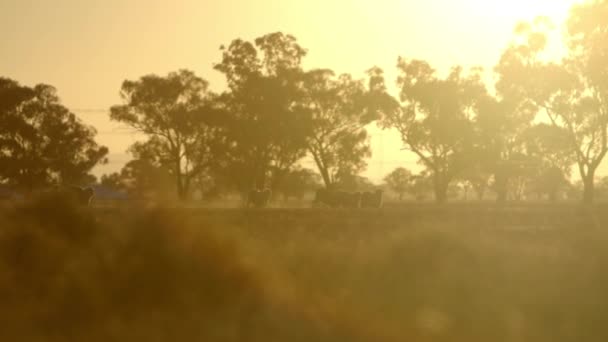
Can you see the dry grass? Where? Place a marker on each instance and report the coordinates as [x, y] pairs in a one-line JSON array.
[[426, 273]]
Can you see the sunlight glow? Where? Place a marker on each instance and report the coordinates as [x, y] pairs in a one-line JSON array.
[[556, 10], [121, 39]]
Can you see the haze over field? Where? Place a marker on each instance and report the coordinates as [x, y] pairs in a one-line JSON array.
[[322, 170], [87, 48]]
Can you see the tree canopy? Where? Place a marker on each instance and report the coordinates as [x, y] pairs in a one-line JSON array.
[[400, 181], [520, 136], [41, 142], [174, 112], [338, 141], [264, 125], [434, 117], [573, 91]]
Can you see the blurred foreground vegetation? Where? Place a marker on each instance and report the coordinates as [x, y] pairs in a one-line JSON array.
[[415, 273]]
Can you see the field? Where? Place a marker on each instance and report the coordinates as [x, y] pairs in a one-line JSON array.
[[474, 272]]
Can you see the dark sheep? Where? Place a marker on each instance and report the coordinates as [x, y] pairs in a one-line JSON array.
[[349, 199], [372, 199], [258, 198], [337, 199], [82, 196], [324, 197]]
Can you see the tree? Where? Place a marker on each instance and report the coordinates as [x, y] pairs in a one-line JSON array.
[[399, 180], [148, 175], [548, 145], [338, 141], [549, 181], [500, 123], [265, 125], [573, 92], [175, 113], [145, 176], [512, 177], [434, 118], [41, 141]]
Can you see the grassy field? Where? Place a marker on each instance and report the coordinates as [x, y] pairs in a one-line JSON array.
[[466, 272]]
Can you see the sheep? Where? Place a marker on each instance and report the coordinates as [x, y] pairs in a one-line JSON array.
[[258, 198], [336, 199], [349, 199], [324, 197], [82, 196], [372, 199]]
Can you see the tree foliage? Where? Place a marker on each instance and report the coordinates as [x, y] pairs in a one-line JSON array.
[[174, 112], [573, 92], [264, 129], [399, 181], [434, 117], [338, 141], [520, 138], [41, 141], [499, 126]]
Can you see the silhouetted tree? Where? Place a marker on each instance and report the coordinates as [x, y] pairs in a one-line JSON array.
[[148, 174], [549, 181], [265, 125], [174, 112], [434, 118], [338, 141], [41, 141], [548, 145], [399, 181], [513, 176], [499, 126], [572, 92]]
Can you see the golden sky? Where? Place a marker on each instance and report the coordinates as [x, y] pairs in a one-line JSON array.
[[86, 48]]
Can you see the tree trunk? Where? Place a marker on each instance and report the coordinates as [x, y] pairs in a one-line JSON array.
[[589, 188], [322, 169], [259, 173], [180, 189], [326, 178], [441, 193], [179, 180], [441, 188]]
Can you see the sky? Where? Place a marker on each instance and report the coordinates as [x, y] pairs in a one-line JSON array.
[[87, 48]]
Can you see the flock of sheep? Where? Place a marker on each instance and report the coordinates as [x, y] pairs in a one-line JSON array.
[[324, 198], [261, 198], [345, 199]]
